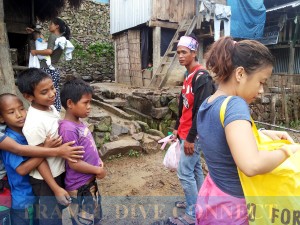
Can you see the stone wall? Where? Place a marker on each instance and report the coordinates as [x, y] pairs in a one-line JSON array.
[[93, 57]]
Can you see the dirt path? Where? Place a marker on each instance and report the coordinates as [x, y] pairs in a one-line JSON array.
[[139, 190]]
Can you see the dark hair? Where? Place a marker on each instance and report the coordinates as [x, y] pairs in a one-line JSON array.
[[74, 89], [3, 96], [28, 79], [225, 55], [35, 33], [63, 27]]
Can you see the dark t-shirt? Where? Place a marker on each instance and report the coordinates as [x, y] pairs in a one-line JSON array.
[[212, 139]]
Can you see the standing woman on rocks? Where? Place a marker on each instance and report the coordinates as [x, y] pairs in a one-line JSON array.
[[57, 28]]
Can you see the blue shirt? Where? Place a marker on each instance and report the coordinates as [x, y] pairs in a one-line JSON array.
[[221, 165], [2, 137], [21, 190]]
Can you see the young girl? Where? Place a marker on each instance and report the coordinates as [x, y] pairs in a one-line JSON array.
[[241, 69], [57, 28]]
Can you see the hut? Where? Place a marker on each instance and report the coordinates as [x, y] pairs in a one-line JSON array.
[[143, 31], [15, 16]]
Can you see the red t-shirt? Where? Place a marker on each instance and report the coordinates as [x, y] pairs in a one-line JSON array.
[[186, 118]]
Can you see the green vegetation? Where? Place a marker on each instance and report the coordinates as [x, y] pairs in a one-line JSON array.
[[295, 124], [93, 52], [133, 153], [117, 156]]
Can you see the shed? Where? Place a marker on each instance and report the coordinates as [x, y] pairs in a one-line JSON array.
[[282, 35], [143, 32]]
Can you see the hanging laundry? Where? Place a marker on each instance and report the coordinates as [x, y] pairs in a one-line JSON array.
[[206, 9], [222, 13]]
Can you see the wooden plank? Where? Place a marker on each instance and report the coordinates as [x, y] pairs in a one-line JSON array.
[[188, 9], [7, 81], [169, 25], [163, 10], [175, 9]]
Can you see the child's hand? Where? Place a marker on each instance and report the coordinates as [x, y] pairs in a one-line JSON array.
[[62, 196], [53, 142], [101, 172], [70, 153]]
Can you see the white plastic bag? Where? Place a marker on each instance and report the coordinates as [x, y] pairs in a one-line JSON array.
[[172, 156], [33, 62]]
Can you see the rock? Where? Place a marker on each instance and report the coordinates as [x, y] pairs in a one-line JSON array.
[[117, 102], [142, 105], [155, 99], [145, 127], [114, 138], [118, 129], [155, 138], [156, 133], [134, 127], [102, 124], [87, 78], [138, 137], [149, 145], [121, 146], [163, 100], [173, 106], [159, 113]]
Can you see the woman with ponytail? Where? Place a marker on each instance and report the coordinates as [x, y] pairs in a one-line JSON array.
[[57, 28], [241, 70]]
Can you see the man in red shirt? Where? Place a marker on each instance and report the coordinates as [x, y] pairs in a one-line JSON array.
[[197, 86]]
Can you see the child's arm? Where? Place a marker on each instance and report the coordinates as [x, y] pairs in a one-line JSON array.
[[28, 165], [80, 166], [84, 167], [42, 52], [61, 194], [25, 167], [65, 151]]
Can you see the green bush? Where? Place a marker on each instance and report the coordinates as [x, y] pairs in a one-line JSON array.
[[93, 51]]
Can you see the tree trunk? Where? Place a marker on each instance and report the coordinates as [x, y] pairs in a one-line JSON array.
[[7, 81]]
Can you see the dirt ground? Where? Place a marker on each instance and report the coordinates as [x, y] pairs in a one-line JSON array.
[[144, 175], [139, 190]]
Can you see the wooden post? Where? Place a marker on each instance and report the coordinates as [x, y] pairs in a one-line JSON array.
[[7, 81], [156, 47], [116, 62]]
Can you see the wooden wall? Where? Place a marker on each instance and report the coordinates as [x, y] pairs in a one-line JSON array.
[[128, 58], [17, 15], [173, 10]]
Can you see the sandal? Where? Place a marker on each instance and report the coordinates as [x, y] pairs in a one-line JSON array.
[[180, 204], [179, 219]]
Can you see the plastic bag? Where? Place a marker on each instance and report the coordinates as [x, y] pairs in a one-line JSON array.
[[273, 197], [33, 61], [172, 156]]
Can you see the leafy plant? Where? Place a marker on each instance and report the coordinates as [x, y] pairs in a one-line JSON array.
[[94, 51], [133, 153], [117, 156], [295, 124]]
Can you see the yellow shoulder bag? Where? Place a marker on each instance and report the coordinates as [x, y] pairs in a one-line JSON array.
[[274, 197]]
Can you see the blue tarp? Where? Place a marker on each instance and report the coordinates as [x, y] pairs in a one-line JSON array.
[[247, 18]]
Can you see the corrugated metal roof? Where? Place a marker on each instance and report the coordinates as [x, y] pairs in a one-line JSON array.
[[290, 4], [125, 14]]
